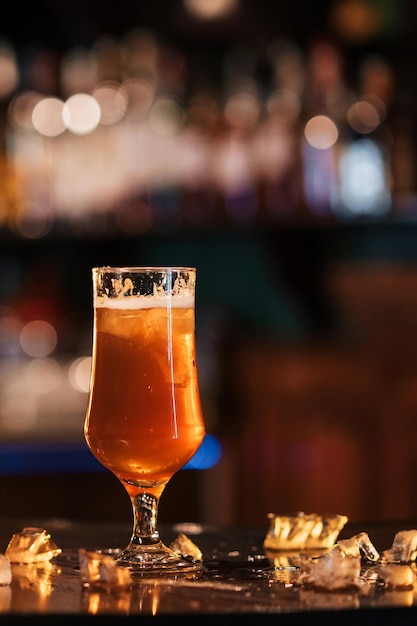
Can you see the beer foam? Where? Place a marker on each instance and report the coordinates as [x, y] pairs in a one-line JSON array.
[[145, 302]]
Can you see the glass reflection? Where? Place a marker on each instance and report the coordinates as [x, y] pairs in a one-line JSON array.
[[32, 586], [102, 602]]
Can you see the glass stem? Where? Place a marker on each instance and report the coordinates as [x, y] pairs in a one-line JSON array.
[[145, 520]]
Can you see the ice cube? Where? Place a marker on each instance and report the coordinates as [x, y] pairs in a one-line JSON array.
[[325, 531], [185, 547], [288, 532], [404, 547], [394, 576], [32, 545], [101, 570], [5, 570], [349, 547], [331, 571], [359, 545], [301, 531], [394, 594]]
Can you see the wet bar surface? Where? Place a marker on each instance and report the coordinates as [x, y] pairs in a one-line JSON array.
[[240, 584]]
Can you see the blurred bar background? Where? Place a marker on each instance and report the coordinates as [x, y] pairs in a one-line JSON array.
[[273, 146]]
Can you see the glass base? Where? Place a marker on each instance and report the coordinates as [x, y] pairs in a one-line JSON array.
[[157, 560]]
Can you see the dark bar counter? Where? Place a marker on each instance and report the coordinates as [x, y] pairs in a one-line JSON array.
[[240, 583]]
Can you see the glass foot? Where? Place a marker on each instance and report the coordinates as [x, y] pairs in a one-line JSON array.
[[157, 560]]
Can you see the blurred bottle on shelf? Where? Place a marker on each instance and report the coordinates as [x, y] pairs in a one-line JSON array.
[[365, 163], [201, 199], [324, 103], [308, 136], [277, 147]]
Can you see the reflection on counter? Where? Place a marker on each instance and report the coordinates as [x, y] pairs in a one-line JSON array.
[[238, 579], [279, 150]]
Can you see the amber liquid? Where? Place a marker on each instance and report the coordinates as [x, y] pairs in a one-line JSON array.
[[144, 419]]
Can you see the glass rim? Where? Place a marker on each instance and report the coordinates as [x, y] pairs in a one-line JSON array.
[[144, 269]]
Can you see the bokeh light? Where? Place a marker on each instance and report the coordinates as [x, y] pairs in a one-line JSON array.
[[166, 116], [364, 188], [79, 374], [47, 117], [321, 132], [81, 113], [210, 9], [355, 20], [208, 454], [140, 95], [21, 107], [113, 102], [364, 117], [33, 219], [38, 338]]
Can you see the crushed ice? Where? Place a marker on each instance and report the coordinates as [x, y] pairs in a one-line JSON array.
[[31, 545], [339, 565], [100, 570], [185, 547], [302, 531]]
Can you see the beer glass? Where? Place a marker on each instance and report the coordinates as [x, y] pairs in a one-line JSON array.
[[144, 419]]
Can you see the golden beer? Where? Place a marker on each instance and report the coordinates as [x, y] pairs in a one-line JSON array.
[[144, 419]]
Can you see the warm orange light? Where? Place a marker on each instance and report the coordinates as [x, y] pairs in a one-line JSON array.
[[93, 603], [210, 9], [363, 117], [356, 20], [321, 132]]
